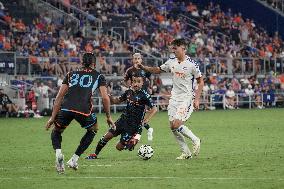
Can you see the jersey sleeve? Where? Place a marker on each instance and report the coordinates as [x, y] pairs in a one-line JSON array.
[[127, 75], [102, 81], [123, 97], [148, 100], [196, 71], [166, 66], [148, 75]]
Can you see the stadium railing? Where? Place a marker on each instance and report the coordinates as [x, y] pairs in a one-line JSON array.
[[212, 102], [12, 64]]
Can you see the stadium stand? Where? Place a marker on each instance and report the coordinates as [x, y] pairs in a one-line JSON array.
[[233, 52]]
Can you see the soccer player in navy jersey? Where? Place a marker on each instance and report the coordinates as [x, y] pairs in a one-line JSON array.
[[129, 125], [137, 59], [74, 101]]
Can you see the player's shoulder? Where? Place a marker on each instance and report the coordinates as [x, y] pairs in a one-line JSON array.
[[190, 60], [130, 69], [145, 93]]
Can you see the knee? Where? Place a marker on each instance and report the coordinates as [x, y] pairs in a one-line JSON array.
[[175, 124], [94, 129], [119, 146], [57, 130]]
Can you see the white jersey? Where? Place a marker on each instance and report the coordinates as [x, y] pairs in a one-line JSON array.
[[184, 74]]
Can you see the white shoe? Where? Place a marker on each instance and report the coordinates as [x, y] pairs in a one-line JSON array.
[[150, 134], [184, 156], [72, 164], [59, 164], [196, 147]]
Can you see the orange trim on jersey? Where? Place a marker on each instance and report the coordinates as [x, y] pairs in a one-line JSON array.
[[59, 126], [63, 109]]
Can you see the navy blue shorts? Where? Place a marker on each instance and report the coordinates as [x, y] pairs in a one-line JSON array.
[[64, 118], [125, 130]]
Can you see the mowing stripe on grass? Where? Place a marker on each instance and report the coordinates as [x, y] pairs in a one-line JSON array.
[[197, 178]]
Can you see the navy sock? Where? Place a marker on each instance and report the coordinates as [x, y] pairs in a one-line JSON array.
[[147, 126], [100, 145], [56, 139], [86, 140]]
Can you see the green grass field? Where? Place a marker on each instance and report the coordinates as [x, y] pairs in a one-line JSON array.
[[240, 149]]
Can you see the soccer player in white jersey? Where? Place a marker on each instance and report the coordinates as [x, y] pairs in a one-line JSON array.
[[184, 98]]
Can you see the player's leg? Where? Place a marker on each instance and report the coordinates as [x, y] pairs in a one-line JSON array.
[[175, 123], [127, 141], [62, 120], [184, 111], [113, 132], [186, 153], [129, 137], [150, 131], [91, 126], [101, 144]]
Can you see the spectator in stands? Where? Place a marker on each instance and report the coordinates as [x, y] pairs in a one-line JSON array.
[[43, 90], [258, 97], [268, 96], [6, 104], [230, 98]]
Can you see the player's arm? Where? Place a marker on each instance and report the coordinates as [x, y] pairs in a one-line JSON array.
[[150, 114], [106, 103], [155, 70], [198, 91], [127, 77], [115, 100], [153, 108], [57, 104]]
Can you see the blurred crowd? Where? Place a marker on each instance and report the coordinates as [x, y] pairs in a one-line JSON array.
[[223, 42]]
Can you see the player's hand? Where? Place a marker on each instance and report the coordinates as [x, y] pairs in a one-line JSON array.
[[49, 123], [145, 121], [110, 122], [196, 104], [140, 65]]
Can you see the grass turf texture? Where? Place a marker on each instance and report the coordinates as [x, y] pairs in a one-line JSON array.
[[240, 149]]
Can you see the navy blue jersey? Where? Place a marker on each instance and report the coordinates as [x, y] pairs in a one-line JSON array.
[[4, 99], [82, 84], [133, 71], [136, 105]]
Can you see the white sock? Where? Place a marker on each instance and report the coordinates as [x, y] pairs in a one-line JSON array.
[[180, 140], [75, 157], [185, 131], [58, 152]]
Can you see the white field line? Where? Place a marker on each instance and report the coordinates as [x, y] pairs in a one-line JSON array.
[[40, 167]]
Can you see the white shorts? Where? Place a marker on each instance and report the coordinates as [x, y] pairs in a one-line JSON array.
[[180, 110]]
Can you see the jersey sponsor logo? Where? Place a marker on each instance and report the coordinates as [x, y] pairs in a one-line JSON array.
[[180, 74]]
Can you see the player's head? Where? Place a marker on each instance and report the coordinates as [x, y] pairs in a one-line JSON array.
[[137, 81], [88, 59], [136, 59], [178, 46], [1, 91]]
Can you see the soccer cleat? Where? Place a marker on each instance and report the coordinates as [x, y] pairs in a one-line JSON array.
[[150, 134], [59, 164], [72, 164], [196, 147], [92, 156], [184, 156]]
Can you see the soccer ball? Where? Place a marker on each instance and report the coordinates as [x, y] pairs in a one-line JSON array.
[[145, 152]]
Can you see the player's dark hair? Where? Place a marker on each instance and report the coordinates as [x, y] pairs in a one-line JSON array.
[[88, 59], [179, 42]]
